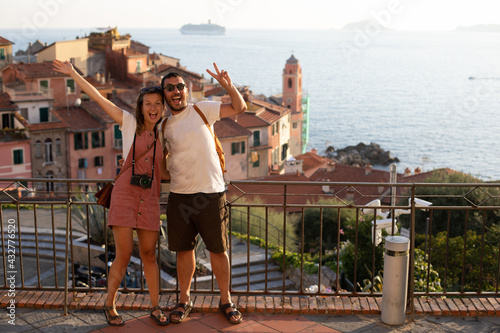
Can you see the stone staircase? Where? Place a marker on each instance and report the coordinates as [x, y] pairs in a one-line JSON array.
[[50, 244], [248, 272]]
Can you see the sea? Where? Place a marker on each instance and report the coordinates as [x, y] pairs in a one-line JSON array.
[[431, 98]]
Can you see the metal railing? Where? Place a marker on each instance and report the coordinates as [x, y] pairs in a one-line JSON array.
[[454, 232]]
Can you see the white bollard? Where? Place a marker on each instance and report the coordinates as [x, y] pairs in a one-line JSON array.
[[395, 284]]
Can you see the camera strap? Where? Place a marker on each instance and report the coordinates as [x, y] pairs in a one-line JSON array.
[[144, 153]]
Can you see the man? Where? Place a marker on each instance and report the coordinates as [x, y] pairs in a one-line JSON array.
[[197, 202]]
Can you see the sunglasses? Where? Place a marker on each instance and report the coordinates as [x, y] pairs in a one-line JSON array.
[[171, 87], [156, 89]]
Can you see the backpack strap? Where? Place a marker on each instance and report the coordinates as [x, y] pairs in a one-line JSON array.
[[218, 145]]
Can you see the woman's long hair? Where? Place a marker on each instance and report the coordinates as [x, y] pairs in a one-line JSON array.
[[139, 115]]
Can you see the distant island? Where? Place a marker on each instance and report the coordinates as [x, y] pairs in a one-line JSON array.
[[480, 28], [362, 25]]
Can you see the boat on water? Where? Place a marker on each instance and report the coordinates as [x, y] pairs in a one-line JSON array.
[[203, 29]]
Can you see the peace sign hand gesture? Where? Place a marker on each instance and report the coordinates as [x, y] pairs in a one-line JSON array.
[[222, 77]]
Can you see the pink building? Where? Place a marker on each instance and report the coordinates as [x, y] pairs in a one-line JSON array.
[[14, 143]]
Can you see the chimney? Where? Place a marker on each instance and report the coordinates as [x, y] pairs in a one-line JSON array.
[[418, 171], [350, 194], [407, 172], [368, 169], [314, 151], [330, 166]]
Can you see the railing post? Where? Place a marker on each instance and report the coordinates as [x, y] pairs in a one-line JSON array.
[[411, 273], [66, 257]]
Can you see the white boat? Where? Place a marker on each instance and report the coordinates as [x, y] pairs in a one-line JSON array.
[[203, 29]]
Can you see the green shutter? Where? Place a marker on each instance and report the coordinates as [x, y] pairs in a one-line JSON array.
[[44, 115], [18, 156], [242, 147], [233, 148], [102, 139]]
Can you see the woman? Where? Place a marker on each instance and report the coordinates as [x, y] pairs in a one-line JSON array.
[[135, 200]]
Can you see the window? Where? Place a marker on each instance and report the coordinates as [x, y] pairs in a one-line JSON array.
[[2, 54], [275, 156], [277, 126], [295, 125], [7, 120], [256, 138], [48, 151], [256, 162], [44, 85], [117, 142], [138, 68], [38, 149], [118, 158], [58, 146], [98, 161], [238, 148], [70, 86], [118, 166], [24, 113], [44, 115], [290, 83], [18, 156], [97, 139], [81, 141], [49, 186], [82, 163], [284, 151]]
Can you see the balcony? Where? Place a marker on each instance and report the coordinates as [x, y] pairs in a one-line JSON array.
[[29, 96], [47, 242]]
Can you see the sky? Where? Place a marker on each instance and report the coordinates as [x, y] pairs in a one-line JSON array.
[[425, 15]]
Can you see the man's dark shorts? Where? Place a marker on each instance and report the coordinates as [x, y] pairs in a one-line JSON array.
[[190, 214]]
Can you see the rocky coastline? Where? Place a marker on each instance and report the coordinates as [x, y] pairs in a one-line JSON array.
[[361, 155]]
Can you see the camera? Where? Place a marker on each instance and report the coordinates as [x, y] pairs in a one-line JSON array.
[[143, 181]]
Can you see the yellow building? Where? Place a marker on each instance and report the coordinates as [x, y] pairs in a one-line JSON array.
[[75, 51], [5, 52]]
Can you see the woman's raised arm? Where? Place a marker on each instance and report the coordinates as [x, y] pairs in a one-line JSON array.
[[112, 110]]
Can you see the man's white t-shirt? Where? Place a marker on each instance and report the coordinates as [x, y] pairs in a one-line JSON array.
[[193, 162]]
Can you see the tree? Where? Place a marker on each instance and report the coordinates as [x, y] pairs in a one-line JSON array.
[[456, 197], [329, 217], [358, 264]]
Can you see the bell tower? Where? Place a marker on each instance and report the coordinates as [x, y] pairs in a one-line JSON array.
[[292, 85], [292, 99]]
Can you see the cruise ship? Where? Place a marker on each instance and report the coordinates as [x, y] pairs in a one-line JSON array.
[[203, 29]]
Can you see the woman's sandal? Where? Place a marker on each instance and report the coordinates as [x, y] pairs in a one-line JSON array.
[[223, 308], [182, 315], [158, 317], [110, 318]]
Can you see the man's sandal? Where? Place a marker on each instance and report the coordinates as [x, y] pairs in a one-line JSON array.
[[182, 315], [223, 308], [158, 318], [110, 318]]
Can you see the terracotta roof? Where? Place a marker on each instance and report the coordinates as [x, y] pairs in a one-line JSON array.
[[311, 160], [33, 70], [249, 120], [273, 194], [6, 103], [228, 128], [215, 91], [270, 106], [4, 41], [97, 111], [78, 119], [164, 68], [48, 126], [133, 53], [97, 84], [352, 174]]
